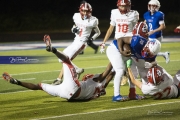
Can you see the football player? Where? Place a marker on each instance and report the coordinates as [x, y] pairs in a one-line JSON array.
[[160, 84], [155, 21], [177, 29], [123, 19], [143, 51], [84, 24], [71, 88]]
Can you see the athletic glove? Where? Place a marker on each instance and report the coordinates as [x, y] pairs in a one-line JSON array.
[[89, 41], [129, 63], [148, 65], [75, 29], [102, 50]]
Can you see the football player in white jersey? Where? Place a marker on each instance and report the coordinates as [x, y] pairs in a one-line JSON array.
[[160, 84], [123, 19], [155, 21], [71, 88], [84, 23]]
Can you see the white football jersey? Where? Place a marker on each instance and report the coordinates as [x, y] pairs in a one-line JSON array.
[[123, 23], [90, 89], [166, 89], [85, 26]]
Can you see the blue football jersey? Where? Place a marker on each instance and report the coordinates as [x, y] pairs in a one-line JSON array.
[[153, 22], [137, 44]]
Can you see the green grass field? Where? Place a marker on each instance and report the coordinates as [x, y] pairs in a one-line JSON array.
[[18, 103]]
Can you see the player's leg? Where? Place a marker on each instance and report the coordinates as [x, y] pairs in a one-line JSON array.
[[166, 56], [93, 46], [71, 51], [119, 66]]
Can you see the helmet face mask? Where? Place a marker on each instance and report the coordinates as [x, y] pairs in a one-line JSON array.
[[146, 53], [155, 76], [85, 10], [151, 49], [124, 6]]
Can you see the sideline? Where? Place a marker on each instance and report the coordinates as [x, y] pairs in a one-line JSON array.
[[61, 44]]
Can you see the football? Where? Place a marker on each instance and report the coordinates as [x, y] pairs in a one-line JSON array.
[[126, 47]]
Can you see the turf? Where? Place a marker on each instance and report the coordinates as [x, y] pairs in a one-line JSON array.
[[22, 104]]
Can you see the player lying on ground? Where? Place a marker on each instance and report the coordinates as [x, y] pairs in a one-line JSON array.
[[70, 88], [160, 85]]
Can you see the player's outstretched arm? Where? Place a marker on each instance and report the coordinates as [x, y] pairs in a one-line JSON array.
[[105, 73], [31, 86], [133, 80]]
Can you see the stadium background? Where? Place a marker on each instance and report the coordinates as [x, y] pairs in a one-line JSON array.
[[29, 20]]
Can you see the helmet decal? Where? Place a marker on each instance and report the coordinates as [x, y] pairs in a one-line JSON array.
[[154, 75], [141, 29], [85, 10]]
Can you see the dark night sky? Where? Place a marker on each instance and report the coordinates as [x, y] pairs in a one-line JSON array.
[[37, 15], [101, 8]]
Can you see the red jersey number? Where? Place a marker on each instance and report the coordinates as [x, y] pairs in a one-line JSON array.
[[123, 28], [163, 94]]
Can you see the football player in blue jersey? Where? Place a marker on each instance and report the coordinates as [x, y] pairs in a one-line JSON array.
[[155, 21]]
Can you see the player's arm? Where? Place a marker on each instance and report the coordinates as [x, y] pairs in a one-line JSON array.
[[133, 80], [97, 32], [108, 33], [161, 27], [105, 73]]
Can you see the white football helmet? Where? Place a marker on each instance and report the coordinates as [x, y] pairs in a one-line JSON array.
[[84, 6], [154, 75], [151, 49], [126, 4], [153, 5]]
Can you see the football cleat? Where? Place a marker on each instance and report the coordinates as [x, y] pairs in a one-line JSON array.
[[47, 40], [136, 97], [119, 98], [8, 78], [96, 50], [166, 56], [103, 92]]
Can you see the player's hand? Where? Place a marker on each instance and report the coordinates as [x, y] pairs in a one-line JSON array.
[[126, 53], [148, 65], [89, 41], [129, 63], [75, 29], [102, 49], [150, 33]]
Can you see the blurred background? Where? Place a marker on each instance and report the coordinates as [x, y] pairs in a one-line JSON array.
[[30, 19]]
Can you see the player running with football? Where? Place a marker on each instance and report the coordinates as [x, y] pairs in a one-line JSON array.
[[123, 19], [160, 84], [84, 24], [155, 21], [71, 89]]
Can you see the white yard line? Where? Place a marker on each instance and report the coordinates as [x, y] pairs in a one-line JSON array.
[[107, 110]]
